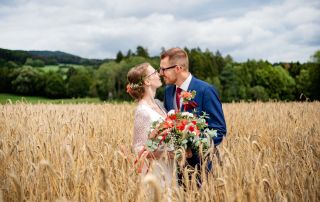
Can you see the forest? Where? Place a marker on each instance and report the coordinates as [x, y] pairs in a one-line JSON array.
[[62, 75]]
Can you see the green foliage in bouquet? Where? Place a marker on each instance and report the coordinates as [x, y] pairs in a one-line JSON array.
[[181, 130]]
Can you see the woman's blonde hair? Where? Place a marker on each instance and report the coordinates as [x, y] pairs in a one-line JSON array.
[[135, 78]]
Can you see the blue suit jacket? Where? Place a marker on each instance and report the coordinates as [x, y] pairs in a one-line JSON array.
[[208, 101]]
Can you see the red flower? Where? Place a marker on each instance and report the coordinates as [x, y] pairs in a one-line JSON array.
[[181, 126], [173, 117], [191, 128]]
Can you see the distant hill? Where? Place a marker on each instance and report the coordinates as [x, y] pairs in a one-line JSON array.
[[49, 57], [52, 54]]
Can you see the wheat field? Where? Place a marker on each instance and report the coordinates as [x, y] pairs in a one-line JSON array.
[[75, 153]]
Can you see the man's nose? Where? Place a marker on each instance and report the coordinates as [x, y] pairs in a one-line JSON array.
[[160, 73]]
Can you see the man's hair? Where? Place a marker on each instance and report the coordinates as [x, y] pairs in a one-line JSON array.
[[176, 56]]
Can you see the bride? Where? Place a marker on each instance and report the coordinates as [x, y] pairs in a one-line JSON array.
[[143, 81]]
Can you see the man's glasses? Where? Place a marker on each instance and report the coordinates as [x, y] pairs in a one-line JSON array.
[[164, 69]]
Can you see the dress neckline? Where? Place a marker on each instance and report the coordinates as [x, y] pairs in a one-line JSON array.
[[147, 105]]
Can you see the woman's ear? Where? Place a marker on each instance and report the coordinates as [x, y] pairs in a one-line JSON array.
[[146, 82]]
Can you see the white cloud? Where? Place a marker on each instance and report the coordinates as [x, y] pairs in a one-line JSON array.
[[285, 31]]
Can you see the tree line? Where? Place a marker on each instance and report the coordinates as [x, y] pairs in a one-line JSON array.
[[250, 81], [42, 58]]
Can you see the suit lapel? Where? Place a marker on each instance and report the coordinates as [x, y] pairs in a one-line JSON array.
[[192, 85], [170, 97]]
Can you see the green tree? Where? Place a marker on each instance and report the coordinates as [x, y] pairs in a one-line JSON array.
[[316, 57], [119, 56], [294, 69], [29, 62], [215, 81], [5, 82], [277, 81], [38, 63], [315, 76], [106, 80], [233, 89], [55, 86], [71, 72], [258, 93], [129, 54], [29, 81], [203, 64], [11, 64], [304, 84], [79, 85], [228, 59], [219, 60], [142, 52]]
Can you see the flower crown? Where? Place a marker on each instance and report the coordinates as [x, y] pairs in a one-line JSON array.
[[134, 86]]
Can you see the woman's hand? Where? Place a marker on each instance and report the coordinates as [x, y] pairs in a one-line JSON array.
[[171, 154], [158, 154]]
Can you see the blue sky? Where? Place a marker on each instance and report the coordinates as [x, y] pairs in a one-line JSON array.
[[284, 30]]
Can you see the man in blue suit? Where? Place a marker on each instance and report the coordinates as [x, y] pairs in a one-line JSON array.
[[174, 68]]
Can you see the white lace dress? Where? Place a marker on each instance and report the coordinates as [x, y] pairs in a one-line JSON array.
[[143, 119]]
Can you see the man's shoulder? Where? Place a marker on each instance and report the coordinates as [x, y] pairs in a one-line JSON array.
[[200, 83]]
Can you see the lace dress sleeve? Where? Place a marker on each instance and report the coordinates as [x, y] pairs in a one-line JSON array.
[[142, 123]]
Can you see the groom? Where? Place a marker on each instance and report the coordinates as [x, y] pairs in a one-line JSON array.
[[174, 68]]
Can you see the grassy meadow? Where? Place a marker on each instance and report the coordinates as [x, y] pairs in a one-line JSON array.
[[70, 152], [11, 99]]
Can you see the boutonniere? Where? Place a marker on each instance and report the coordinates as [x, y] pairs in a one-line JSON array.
[[187, 100]]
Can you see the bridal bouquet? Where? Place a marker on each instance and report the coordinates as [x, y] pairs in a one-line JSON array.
[[181, 130]]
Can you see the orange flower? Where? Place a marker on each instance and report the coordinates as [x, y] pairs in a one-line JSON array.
[[197, 131], [129, 88], [168, 123], [186, 95]]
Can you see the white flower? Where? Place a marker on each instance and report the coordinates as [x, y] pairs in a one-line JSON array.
[[171, 112], [187, 114]]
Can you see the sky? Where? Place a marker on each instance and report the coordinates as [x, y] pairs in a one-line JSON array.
[[273, 30]]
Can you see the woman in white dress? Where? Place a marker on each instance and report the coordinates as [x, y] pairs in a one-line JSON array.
[[143, 81]]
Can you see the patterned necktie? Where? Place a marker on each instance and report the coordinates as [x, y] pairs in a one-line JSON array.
[[178, 93]]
